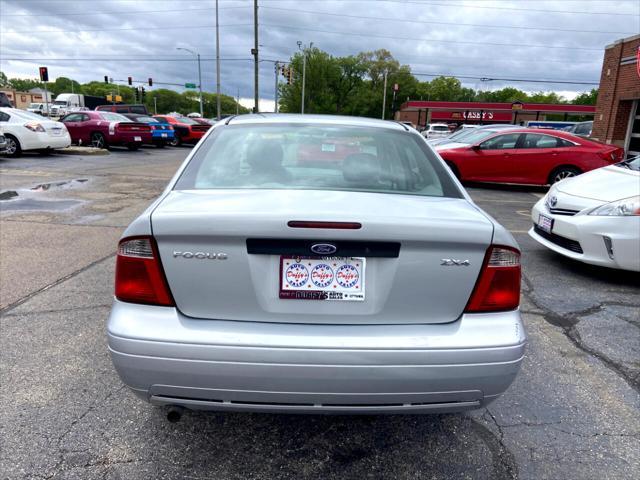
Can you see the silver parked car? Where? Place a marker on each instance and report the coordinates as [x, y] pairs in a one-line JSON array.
[[316, 264]]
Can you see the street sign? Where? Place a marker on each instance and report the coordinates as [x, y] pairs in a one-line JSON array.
[[189, 85], [396, 87]]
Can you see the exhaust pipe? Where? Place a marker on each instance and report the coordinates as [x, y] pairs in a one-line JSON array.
[[174, 413]]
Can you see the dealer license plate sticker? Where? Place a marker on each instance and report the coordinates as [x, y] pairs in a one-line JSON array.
[[322, 278], [137, 139], [545, 223]]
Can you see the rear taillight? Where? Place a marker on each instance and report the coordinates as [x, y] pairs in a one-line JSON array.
[[139, 274], [498, 285]]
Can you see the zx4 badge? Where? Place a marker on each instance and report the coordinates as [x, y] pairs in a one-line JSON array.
[[453, 262]]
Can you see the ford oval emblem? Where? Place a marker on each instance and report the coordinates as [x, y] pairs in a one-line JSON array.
[[323, 248]]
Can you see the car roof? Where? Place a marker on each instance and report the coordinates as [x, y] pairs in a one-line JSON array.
[[272, 118]]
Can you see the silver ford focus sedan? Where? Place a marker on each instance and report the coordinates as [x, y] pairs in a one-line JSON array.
[[316, 264]]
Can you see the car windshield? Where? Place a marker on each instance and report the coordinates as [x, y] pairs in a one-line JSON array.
[[317, 157], [113, 117], [475, 136], [632, 163], [460, 134], [34, 105], [440, 128]]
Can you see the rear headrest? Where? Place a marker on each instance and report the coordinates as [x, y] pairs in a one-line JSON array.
[[362, 168]]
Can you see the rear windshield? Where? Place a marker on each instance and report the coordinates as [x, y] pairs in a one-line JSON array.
[[147, 120], [113, 117], [317, 157], [440, 128]]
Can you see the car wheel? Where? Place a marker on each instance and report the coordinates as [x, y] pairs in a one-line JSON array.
[[133, 146], [161, 144], [176, 141], [97, 140], [561, 173], [13, 147]]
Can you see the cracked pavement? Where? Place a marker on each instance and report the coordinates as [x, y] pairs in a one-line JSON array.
[[573, 412]]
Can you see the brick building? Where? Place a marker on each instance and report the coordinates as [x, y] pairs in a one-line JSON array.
[[617, 118], [23, 99]]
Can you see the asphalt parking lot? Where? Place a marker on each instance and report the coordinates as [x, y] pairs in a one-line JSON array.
[[573, 412]]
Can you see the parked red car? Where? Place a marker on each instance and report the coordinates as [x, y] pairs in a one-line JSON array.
[[186, 129], [105, 129], [526, 156]]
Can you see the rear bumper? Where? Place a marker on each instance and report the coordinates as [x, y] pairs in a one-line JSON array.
[[166, 358]]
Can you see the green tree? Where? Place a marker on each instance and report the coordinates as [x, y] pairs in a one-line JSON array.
[[24, 84], [63, 85], [587, 98], [4, 81], [506, 95]]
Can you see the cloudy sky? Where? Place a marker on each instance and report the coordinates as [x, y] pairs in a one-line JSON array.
[[561, 40]]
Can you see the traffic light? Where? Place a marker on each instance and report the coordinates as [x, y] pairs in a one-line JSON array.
[[150, 82], [130, 80], [44, 74], [290, 76], [106, 79], [142, 94]]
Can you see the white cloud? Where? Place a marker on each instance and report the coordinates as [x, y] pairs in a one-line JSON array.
[[144, 45]]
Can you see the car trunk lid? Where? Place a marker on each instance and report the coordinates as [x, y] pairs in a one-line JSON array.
[[439, 243]]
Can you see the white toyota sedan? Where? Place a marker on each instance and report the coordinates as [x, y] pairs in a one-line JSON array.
[[29, 131], [594, 217]]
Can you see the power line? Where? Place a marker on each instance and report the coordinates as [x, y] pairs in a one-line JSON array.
[[131, 28], [487, 79], [475, 5], [457, 24], [435, 40], [118, 13], [464, 5]]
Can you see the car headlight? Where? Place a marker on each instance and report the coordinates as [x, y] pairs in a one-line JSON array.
[[620, 208]]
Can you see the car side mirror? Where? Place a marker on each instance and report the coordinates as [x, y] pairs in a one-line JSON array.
[[475, 147]]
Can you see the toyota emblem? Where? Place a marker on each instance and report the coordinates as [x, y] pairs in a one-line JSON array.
[[553, 201]]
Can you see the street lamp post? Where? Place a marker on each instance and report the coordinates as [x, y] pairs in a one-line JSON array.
[[199, 76], [217, 66], [304, 69]]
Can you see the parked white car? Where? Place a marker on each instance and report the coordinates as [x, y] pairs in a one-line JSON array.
[[436, 130], [39, 108], [594, 218], [29, 131]]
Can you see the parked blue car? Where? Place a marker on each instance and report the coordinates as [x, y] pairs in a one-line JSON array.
[[162, 131]]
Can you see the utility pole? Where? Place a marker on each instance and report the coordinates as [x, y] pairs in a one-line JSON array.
[[304, 70], [200, 85], [277, 68], [238, 102], [155, 105], [217, 66], [384, 94], [254, 51]]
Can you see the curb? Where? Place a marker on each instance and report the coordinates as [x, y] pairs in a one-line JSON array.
[[82, 151]]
